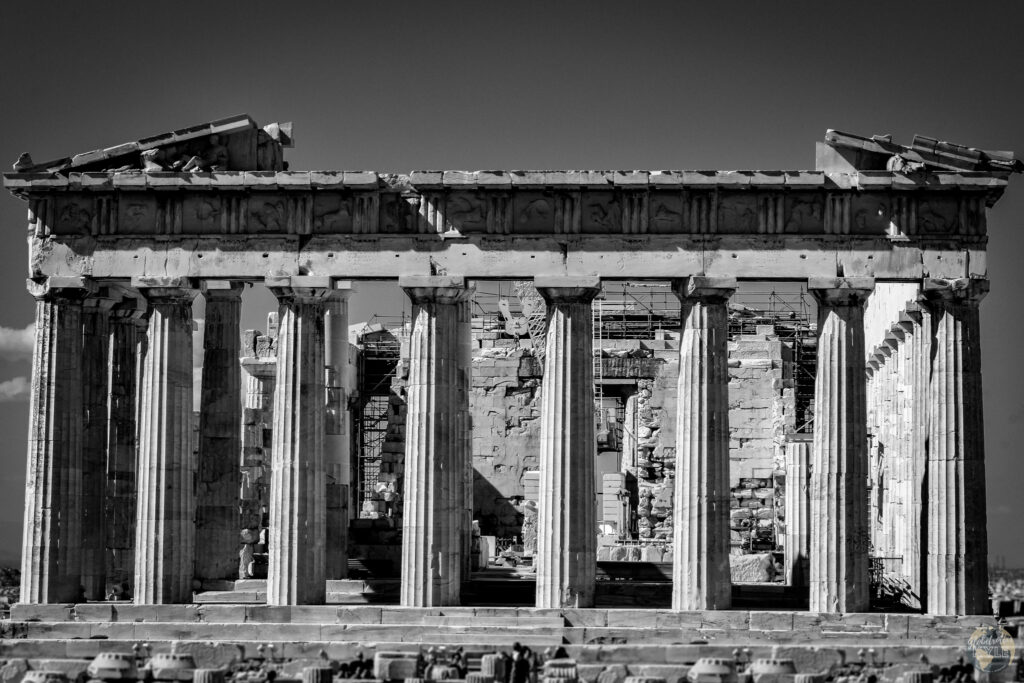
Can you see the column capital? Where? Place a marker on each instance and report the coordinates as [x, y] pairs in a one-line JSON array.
[[222, 290], [964, 290], [299, 288], [165, 290], [706, 289], [435, 289], [568, 289], [343, 289], [841, 291], [103, 300], [67, 288]]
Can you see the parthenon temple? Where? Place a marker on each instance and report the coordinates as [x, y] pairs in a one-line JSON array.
[[840, 441]]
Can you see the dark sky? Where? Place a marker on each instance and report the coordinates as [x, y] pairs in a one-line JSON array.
[[397, 86]]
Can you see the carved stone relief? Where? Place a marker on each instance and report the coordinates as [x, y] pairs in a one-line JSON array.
[[737, 214], [467, 212], [804, 214], [74, 216], [666, 212], [332, 213], [534, 213], [137, 216], [602, 213]]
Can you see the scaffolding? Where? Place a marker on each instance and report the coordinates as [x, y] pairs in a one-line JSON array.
[[380, 353]]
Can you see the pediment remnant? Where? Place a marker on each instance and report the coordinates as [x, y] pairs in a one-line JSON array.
[[846, 152], [235, 143]]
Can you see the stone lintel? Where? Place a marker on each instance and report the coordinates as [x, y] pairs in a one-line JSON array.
[[963, 289], [67, 287], [701, 287]]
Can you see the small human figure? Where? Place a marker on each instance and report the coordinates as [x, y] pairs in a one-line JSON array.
[[520, 664]]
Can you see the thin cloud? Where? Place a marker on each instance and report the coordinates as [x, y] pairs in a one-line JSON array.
[[14, 389], [16, 344]]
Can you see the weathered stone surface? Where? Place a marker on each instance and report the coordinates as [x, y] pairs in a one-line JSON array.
[[219, 476], [700, 576], [957, 537], [51, 562], [432, 540], [754, 568], [839, 541], [297, 565], [165, 530], [566, 543]]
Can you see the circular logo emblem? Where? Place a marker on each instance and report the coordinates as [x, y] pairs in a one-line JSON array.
[[990, 649]]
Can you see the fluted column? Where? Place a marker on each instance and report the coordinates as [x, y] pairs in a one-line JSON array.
[[957, 532], [51, 563], [220, 418], [566, 518], [465, 378], [165, 515], [95, 378], [338, 440], [920, 359], [700, 574], [298, 485], [126, 327], [839, 513], [798, 511], [432, 535]]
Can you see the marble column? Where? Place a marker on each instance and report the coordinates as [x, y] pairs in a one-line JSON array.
[[701, 574], [126, 327], [566, 517], [432, 534], [465, 378], [957, 532], [296, 574], [220, 417], [920, 359], [51, 562], [798, 511], [165, 513], [839, 512], [338, 434], [95, 393]]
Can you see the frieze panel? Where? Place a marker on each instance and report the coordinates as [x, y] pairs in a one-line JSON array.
[[701, 212], [938, 215], [396, 215], [601, 213], [137, 215], [201, 214], [74, 215], [804, 214], [665, 212], [466, 211], [268, 214], [738, 214], [534, 213], [875, 214], [332, 213]]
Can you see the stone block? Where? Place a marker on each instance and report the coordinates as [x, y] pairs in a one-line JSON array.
[[756, 568], [771, 621]]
